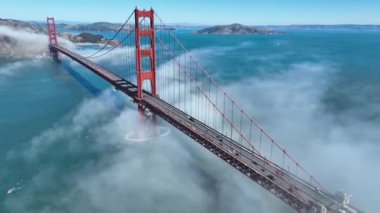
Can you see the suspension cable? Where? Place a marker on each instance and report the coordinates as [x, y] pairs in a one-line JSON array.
[[263, 132], [207, 99], [114, 47], [110, 40]]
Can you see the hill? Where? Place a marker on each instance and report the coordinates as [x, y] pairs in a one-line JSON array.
[[93, 27], [236, 29], [21, 25]]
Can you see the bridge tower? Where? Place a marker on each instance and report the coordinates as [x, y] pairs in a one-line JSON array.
[[51, 29], [145, 52]]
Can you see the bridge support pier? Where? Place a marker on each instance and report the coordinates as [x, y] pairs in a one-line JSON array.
[[54, 55], [147, 123]]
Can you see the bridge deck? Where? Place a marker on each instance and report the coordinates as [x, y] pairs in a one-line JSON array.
[[290, 189]]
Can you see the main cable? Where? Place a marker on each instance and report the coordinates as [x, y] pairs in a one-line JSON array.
[[124, 39], [110, 40]]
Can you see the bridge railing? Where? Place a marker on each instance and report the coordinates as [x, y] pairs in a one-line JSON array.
[[185, 83]]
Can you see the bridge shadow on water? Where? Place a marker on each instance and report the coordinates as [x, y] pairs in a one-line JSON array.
[[82, 80], [150, 128], [120, 103]]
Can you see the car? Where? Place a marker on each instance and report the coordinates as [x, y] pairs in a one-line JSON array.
[[190, 118], [271, 177]]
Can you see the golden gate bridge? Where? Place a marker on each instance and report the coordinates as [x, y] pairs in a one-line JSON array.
[[161, 76]]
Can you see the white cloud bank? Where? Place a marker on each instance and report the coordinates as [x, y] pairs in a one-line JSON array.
[[22, 43]]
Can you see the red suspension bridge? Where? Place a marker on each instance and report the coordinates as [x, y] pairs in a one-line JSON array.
[[161, 76]]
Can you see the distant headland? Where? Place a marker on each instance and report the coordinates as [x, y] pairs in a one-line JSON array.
[[14, 33], [236, 29], [31, 27], [95, 27], [36, 28]]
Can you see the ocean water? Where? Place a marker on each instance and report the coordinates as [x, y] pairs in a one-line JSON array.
[[63, 130]]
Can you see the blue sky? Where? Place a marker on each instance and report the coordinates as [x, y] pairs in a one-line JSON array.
[[258, 12]]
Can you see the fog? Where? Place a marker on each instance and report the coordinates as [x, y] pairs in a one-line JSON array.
[[340, 153], [168, 174], [22, 43], [174, 174]]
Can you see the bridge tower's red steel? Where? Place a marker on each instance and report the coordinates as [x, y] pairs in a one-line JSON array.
[[141, 53], [51, 29]]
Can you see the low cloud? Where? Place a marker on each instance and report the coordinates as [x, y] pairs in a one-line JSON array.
[[170, 174], [339, 149], [166, 174], [23, 43]]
